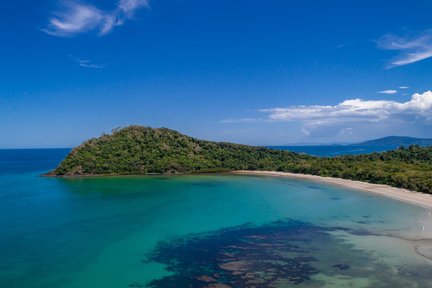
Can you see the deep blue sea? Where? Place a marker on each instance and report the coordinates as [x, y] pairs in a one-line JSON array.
[[16, 161], [201, 231]]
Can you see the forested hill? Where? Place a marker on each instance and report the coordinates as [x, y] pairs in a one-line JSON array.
[[143, 150], [397, 141]]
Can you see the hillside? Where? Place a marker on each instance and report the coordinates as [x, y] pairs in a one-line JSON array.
[[397, 141], [143, 150]]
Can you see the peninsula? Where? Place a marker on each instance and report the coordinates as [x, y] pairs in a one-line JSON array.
[[138, 150]]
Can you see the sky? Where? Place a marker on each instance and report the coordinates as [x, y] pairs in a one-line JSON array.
[[260, 72]]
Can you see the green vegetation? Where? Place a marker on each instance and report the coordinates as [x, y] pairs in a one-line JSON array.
[[143, 150], [409, 168]]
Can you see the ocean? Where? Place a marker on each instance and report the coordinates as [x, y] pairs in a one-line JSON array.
[[201, 231]]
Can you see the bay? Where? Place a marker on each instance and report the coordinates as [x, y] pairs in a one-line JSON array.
[[196, 231]]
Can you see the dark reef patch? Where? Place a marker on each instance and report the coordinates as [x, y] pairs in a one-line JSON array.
[[280, 254], [245, 256]]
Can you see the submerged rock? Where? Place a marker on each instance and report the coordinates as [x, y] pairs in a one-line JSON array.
[[280, 254], [242, 257]]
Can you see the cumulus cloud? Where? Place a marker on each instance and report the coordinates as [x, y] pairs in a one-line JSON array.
[[420, 105], [79, 17], [411, 49], [353, 119], [388, 92]]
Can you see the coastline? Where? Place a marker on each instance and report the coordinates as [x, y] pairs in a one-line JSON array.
[[404, 195]]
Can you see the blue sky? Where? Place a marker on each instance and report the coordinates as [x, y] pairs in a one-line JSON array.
[[257, 72]]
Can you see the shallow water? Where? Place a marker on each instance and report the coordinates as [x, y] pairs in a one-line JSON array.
[[196, 231]]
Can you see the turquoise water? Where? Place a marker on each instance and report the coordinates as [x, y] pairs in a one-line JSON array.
[[172, 231]]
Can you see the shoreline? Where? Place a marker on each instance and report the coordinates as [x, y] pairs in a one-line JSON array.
[[404, 195]]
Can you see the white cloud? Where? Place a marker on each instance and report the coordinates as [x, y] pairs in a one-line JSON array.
[[353, 119], [404, 87], [89, 64], [388, 92], [129, 6], [75, 18], [126, 9], [85, 63], [79, 17], [344, 132], [420, 105], [305, 131], [411, 49]]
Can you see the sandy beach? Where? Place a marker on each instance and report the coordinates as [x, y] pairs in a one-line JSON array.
[[408, 196]]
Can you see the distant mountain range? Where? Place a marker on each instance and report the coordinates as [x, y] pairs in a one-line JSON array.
[[393, 141], [367, 147], [396, 141]]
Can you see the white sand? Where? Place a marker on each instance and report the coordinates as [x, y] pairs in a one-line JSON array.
[[404, 195]]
